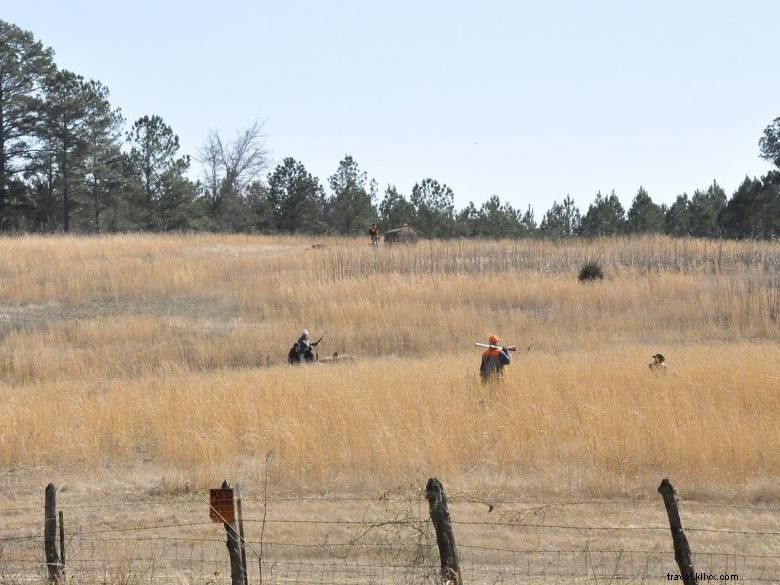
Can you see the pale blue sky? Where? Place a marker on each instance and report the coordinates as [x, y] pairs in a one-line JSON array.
[[529, 101]]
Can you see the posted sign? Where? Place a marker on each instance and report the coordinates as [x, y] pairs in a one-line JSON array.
[[221, 506]]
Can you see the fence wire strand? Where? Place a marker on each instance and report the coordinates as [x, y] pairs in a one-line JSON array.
[[390, 540]]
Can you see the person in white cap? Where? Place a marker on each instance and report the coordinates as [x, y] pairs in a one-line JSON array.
[[303, 349], [304, 342]]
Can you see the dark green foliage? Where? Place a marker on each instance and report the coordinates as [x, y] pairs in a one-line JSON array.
[[78, 122], [394, 210], [24, 65], [605, 217], [103, 181], [754, 209], [500, 220], [494, 219], [351, 206], [562, 220], [590, 271], [161, 195], [644, 216], [704, 209], [467, 222], [63, 166], [738, 217], [434, 209], [528, 222], [770, 143], [678, 217], [297, 201]]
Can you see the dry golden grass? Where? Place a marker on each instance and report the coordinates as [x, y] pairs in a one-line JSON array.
[[585, 422], [169, 350]]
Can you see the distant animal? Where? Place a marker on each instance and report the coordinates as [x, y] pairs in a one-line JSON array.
[[658, 362], [402, 235], [338, 357]]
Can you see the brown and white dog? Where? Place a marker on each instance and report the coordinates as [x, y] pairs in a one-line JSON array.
[[658, 363]]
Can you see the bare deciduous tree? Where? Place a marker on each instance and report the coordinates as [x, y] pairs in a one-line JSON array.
[[231, 167], [230, 170]]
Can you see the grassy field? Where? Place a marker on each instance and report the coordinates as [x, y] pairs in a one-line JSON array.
[[164, 357]]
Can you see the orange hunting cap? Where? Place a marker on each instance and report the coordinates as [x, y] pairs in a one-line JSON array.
[[493, 340]]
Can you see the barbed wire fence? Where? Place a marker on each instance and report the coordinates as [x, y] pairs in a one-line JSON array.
[[391, 540]]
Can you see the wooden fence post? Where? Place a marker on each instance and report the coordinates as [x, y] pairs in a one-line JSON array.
[[50, 534], [62, 541], [682, 554], [234, 550], [445, 538], [242, 542]]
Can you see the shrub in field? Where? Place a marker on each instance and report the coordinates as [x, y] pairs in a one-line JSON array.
[[591, 271]]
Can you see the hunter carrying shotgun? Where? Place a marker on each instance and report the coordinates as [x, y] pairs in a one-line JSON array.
[[494, 358], [303, 349]]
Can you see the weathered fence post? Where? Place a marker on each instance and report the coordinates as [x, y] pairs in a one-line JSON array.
[[242, 542], [50, 534], [440, 516], [62, 540], [234, 550], [682, 554]]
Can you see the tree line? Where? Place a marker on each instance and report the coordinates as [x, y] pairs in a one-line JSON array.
[[68, 162]]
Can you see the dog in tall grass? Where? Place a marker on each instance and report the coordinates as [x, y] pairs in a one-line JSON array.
[[658, 364]]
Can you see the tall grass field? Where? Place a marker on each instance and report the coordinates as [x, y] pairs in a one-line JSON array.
[[140, 352]]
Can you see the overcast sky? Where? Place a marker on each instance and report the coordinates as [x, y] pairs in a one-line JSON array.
[[527, 100]]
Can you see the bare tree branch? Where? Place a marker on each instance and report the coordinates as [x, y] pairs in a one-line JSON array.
[[230, 168]]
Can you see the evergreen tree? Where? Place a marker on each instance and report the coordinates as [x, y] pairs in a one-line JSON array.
[[738, 217], [164, 196], [678, 217], [103, 179], [43, 179], [705, 206], [258, 200], [351, 206], [24, 65], [771, 215], [500, 220], [467, 222], [297, 198], [434, 208], [394, 209], [76, 112], [770, 143], [562, 220], [754, 209], [605, 217], [644, 216], [528, 223]]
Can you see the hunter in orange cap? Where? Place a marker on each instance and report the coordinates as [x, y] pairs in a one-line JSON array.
[[494, 359]]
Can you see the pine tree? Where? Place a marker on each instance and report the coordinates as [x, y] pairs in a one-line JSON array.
[[644, 216], [351, 205], [605, 217], [562, 220], [24, 66], [434, 209], [297, 198]]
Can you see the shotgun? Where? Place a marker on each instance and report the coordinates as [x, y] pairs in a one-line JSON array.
[[316, 343], [487, 345]]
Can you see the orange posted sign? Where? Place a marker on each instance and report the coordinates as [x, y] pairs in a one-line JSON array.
[[221, 506]]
